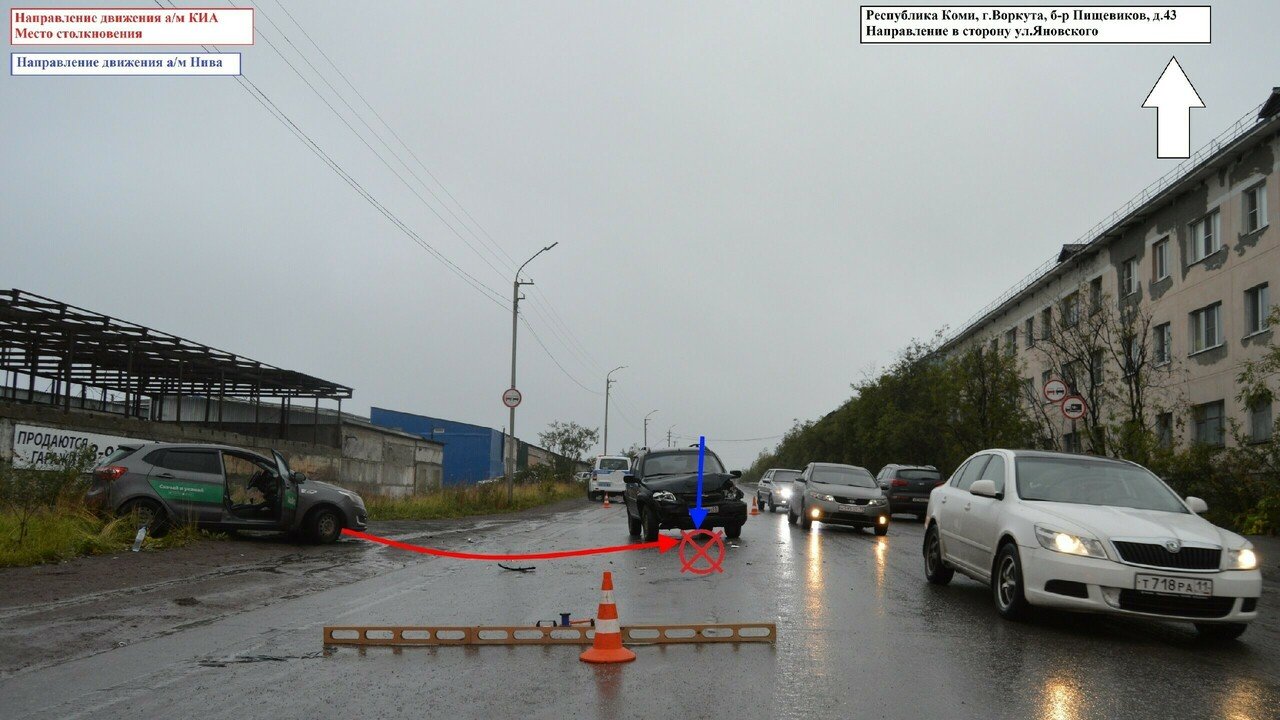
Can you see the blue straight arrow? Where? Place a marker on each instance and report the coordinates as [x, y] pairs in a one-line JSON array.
[[697, 513]]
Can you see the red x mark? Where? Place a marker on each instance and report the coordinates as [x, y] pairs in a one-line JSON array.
[[700, 551]]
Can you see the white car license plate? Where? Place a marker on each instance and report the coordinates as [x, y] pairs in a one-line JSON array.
[[1164, 584], [850, 508], [924, 500]]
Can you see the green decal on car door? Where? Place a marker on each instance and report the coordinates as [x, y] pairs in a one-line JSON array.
[[183, 491], [290, 499]]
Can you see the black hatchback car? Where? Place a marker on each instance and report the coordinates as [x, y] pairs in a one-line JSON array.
[[663, 484], [223, 488]]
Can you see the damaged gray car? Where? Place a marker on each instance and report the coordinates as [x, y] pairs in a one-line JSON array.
[[220, 487]]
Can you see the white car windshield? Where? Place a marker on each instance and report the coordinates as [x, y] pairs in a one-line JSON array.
[[1093, 482]]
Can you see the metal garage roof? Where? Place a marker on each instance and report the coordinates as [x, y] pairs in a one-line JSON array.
[[68, 345]]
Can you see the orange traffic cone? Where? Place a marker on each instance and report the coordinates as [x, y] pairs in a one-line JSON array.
[[755, 506], [606, 500], [607, 647]]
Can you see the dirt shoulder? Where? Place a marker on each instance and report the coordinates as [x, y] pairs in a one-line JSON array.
[[53, 613]]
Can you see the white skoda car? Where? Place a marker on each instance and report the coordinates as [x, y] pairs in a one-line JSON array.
[[1088, 534]]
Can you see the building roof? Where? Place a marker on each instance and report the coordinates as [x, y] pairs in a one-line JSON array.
[[56, 341], [1255, 124]]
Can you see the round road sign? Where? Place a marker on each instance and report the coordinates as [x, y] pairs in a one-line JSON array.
[[512, 398], [1074, 407], [1055, 390]]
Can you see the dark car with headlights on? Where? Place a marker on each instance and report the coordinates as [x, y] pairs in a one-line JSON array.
[[663, 485], [221, 488], [840, 495]]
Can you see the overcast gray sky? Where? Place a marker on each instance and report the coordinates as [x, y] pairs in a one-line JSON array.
[[753, 210]]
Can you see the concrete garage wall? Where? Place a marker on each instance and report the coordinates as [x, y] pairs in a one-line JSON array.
[[371, 460]]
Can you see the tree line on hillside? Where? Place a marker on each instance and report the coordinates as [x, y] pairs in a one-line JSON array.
[[936, 406]]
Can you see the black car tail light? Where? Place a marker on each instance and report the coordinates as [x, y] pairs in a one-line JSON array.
[[110, 473], [899, 482]]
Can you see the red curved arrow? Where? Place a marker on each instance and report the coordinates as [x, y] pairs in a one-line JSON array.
[[663, 544]]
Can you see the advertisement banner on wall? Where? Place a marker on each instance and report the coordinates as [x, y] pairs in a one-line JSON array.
[[36, 446]]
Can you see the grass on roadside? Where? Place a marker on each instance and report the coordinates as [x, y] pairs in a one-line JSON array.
[[65, 532], [455, 502]]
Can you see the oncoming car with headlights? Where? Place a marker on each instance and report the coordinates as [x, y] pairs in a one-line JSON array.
[[1088, 534], [841, 495], [221, 488], [774, 489]]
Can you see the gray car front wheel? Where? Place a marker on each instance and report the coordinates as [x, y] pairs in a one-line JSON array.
[[324, 526]]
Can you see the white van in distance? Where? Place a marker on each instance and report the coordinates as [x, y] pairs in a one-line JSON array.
[[606, 476]]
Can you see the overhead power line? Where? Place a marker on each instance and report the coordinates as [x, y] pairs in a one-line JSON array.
[[560, 330]]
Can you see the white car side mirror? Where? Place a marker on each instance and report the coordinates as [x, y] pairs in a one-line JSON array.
[[1197, 506], [984, 488]]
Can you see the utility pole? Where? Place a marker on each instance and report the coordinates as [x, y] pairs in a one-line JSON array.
[[646, 428], [515, 317], [669, 435], [608, 383]]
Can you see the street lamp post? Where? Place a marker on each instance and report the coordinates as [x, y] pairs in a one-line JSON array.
[[646, 428], [515, 316], [673, 427], [608, 383]]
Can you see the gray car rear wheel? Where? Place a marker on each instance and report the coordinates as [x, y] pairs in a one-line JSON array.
[[149, 513]]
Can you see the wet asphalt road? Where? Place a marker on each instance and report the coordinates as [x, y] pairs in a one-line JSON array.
[[861, 635]]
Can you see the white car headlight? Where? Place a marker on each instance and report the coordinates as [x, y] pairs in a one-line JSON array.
[[820, 496], [784, 493], [1242, 559], [878, 501], [664, 496], [1069, 544]]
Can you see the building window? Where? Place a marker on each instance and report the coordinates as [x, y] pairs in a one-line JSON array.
[[1095, 368], [1257, 305], [1011, 341], [1205, 238], [1255, 208], [1206, 328], [1029, 387], [1046, 323], [1164, 429], [1160, 259], [1045, 377], [1069, 376], [1163, 342], [1129, 277], [1132, 356], [1030, 332], [1260, 423], [1071, 310], [1208, 423], [1095, 295]]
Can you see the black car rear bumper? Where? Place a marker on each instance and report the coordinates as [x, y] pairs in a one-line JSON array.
[[907, 503]]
